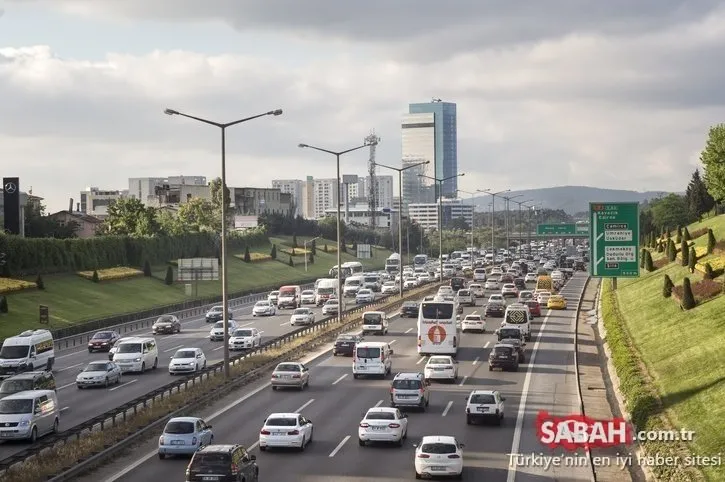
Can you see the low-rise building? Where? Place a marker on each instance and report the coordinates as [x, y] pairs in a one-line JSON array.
[[426, 214], [86, 225]]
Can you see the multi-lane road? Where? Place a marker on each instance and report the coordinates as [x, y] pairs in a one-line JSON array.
[[80, 405], [335, 403]]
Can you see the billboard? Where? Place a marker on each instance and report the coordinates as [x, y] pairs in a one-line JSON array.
[[198, 269]]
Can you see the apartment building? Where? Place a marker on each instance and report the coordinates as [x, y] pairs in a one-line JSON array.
[[426, 214], [95, 201]]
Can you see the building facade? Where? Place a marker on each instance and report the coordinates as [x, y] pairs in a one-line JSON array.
[[159, 191], [360, 214], [383, 190], [426, 214], [324, 196], [295, 187], [86, 224], [95, 201], [418, 145], [255, 201]]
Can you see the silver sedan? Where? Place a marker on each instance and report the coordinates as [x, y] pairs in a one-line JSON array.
[[292, 375], [99, 374]]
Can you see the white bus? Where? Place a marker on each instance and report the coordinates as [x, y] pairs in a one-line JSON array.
[[420, 260], [392, 264], [438, 332], [348, 269]]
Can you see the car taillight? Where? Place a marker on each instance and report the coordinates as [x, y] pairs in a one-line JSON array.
[[296, 376], [394, 425], [193, 441], [235, 469], [264, 432], [161, 440], [423, 456], [454, 456], [293, 432], [364, 425]]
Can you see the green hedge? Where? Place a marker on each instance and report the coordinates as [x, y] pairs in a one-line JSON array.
[[30, 256]]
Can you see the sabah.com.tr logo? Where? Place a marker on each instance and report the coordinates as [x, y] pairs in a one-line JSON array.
[[573, 432]]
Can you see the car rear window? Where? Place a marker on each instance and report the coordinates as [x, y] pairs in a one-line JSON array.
[[179, 427], [371, 318], [438, 448], [380, 416], [288, 367], [502, 350], [368, 352], [406, 384], [482, 399], [281, 422], [211, 459]]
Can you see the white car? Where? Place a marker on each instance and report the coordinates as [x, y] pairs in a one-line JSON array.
[[477, 290], [484, 405], [491, 284], [389, 287], [264, 308], [543, 299], [410, 283], [364, 295], [473, 322], [446, 291], [441, 367], [497, 300], [187, 360], [285, 430], [496, 272], [438, 456], [465, 297], [383, 424], [273, 296], [302, 316], [245, 338], [99, 374], [530, 278], [217, 331], [525, 296], [331, 307], [308, 297], [509, 289], [422, 278]]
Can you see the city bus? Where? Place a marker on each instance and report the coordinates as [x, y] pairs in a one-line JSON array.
[[438, 332], [420, 260], [392, 264]]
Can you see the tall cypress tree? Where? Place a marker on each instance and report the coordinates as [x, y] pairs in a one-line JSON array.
[[688, 298], [684, 253], [692, 260], [699, 200]]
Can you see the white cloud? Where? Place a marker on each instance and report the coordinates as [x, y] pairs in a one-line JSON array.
[[625, 102]]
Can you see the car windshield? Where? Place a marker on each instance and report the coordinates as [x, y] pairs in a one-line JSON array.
[[380, 416], [308, 293], [287, 367], [274, 293], [217, 309], [165, 319], [15, 386], [438, 448], [325, 291], [301, 311], [368, 352], [103, 335], [281, 422], [14, 351], [406, 384], [439, 360], [14, 407], [219, 324], [185, 354], [482, 398], [129, 348], [410, 304], [262, 303], [95, 367], [353, 282], [464, 293], [178, 428], [364, 292], [331, 302], [372, 318], [512, 341], [287, 292], [345, 338], [244, 333]]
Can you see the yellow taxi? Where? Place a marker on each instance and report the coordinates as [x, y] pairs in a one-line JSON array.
[[556, 302]]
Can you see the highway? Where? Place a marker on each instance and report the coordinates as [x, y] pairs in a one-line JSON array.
[[335, 403], [81, 405]]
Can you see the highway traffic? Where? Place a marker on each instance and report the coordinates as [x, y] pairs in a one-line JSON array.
[[335, 403]]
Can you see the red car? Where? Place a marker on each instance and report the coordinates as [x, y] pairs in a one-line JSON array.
[[534, 308]]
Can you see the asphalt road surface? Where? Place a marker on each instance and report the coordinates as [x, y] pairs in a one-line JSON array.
[[335, 403]]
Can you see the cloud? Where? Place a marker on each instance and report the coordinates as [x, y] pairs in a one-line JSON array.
[[612, 97]]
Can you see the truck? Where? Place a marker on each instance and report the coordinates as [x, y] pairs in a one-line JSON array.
[[325, 289], [392, 264]]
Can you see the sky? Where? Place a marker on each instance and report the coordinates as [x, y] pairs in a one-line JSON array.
[[617, 94]]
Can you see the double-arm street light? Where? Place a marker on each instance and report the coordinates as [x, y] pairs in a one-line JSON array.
[[337, 155], [305, 243], [493, 215], [521, 219], [223, 249], [440, 215], [508, 216], [400, 214], [473, 212]]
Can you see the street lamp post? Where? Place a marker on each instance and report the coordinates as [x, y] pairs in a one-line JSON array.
[[223, 249], [400, 215], [473, 212], [305, 243], [440, 215], [493, 214], [521, 203], [507, 218], [337, 155]]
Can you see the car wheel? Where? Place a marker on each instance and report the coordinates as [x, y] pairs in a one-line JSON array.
[[162, 456], [361, 442], [34, 435], [262, 448], [118, 379], [143, 367], [274, 388], [56, 424], [196, 368], [459, 476], [204, 365], [312, 432], [105, 384], [418, 476], [156, 363], [469, 421]]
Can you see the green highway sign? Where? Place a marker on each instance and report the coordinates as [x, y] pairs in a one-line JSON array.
[[614, 240], [562, 229]]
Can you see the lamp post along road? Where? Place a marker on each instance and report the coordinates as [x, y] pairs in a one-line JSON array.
[[493, 215], [400, 215], [521, 219], [305, 243], [337, 155], [224, 206], [473, 214], [507, 218], [440, 215]]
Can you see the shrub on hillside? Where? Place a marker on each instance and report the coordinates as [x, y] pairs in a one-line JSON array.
[[667, 286], [325, 249], [247, 257], [40, 283], [684, 253], [679, 232], [169, 279], [660, 247], [273, 253], [688, 298], [147, 268], [671, 251], [723, 285], [313, 247], [110, 274], [310, 258], [719, 247], [686, 234], [691, 260], [661, 263], [293, 252], [642, 256], [294, 241], [290, 262], [709, 274], [648, 264], [94, 276], [702, 290], [8, 285], [711, 241], [4, 304], [5, 270]]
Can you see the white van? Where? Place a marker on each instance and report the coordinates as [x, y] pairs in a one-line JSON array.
[[375, 322], [325, 288], [518, 316], [28, 351], [137, 354], [289, 296], [372, 358], [479, 274], [352, 285], [29, 415]]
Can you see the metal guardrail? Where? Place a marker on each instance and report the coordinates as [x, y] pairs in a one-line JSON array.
[[121, 413], [81, 339]]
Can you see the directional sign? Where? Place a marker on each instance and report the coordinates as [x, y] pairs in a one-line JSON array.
[[562, 229], [614, 238]]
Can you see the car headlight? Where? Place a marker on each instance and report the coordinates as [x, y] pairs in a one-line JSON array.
[[24, 423], [137, 359]]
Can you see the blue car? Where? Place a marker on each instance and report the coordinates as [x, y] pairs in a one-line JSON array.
[[184, 436]]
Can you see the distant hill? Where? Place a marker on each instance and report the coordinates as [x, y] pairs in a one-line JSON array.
[[571, 199]]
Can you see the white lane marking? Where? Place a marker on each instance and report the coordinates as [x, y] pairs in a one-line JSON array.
[[448, 407], [309, 402], [475, 362], [486, 345], [123, 384], [64, 409], [172, 349], [285, 323], [463, 382], [218, 348], [408, 330], [253, 446], [422, 359], [68, 368], [380, 402], [339, 446], [339, 379], [246, 324], [66, 386], [392, 342]]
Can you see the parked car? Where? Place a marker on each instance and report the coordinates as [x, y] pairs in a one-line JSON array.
[[166, 324]]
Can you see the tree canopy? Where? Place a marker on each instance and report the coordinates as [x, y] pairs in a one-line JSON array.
[[713, 159]]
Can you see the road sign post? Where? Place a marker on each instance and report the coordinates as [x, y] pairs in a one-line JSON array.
[[614, 240]]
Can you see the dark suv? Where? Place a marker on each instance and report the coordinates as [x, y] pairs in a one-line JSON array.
[[223, 463], [27, 381], [409, 309], [505, 357], [458, 283]]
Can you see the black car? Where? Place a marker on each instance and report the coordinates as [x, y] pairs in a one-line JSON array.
[[458, 283], [216, 313], [518, 344], [38, 380], [509, 333], [166, 324], [520, 284], [495, 310], [345, 345], [103, 341], [409, 309], [505, 357], [222, 463]]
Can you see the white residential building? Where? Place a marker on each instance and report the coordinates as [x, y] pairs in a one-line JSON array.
[[95, 201], [360, 214], [295, 187], [166, 190], [383, 190], [426, 214], [324, 196]]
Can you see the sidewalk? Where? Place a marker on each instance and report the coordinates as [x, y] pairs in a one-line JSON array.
[[593, 378]]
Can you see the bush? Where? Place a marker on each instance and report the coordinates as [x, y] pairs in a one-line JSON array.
[[684, 253], [311, 258], [325, 249], [94, 276], [667, 287], [688, 298], [692, 260], [661, 263], [671, 250], [313, 247], [648, 264], [169, 279], [294, 241], [5, 270], [290, 262], [709, 274], [711, 242], [9, 284], [722, 289], [247, 257], [273, 253], [686, 234], [642, 256], [660, 246], [110, 274], [39, 282], [679, 233], [698, 232], [147, 268], [255, 257], [4, 304]]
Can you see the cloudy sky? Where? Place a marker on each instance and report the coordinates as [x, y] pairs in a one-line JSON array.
[[613, 94]]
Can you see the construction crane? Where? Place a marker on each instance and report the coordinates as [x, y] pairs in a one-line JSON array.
[[372, 140]]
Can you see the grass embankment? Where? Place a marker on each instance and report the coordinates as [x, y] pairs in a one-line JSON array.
[[670, 362], [72, 299]]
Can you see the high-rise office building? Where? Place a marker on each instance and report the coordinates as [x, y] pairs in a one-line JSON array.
[[295, 187]]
